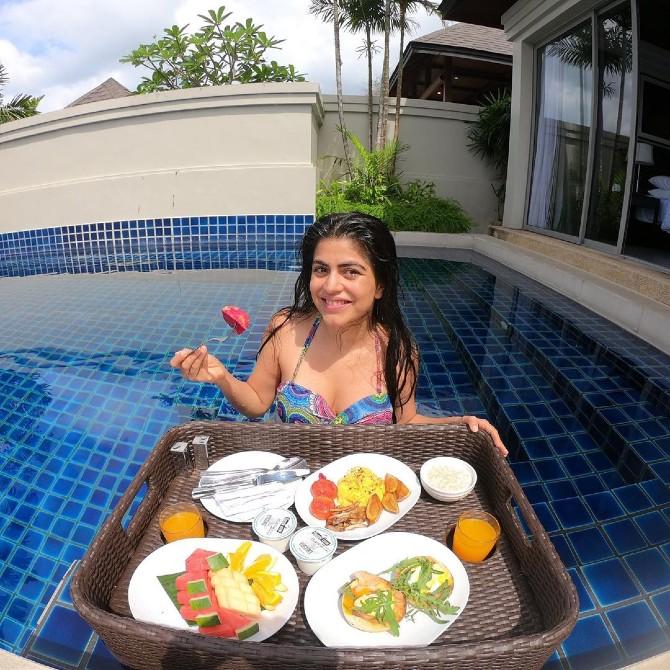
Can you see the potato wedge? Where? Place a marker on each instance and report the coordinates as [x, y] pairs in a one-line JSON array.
[[401, 491], [390, 483], [373, 509], [390, 503]]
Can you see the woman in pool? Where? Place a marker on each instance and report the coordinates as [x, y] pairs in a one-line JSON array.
[[342, 352]]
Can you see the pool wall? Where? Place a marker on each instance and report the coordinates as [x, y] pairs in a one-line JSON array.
[[257, 149], [266, 241]]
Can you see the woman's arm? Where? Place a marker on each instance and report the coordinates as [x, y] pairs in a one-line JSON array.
[[252, 397]]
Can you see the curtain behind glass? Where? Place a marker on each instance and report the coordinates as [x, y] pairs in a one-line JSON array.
[[615, 62], [563, 126]]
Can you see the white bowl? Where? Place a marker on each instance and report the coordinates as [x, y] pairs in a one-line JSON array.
[[451, 493]]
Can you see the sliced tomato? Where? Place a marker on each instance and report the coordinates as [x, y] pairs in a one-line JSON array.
[[324, 487], [321, 506]]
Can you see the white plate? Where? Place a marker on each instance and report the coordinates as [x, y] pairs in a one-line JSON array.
[[149, 602], [380, 465], [250, 459], [322, 597]]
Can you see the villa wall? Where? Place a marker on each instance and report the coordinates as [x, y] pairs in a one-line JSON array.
[[229, 151], [198, 152]]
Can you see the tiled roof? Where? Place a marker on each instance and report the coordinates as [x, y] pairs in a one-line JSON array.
[[108, 90], [469, 36]]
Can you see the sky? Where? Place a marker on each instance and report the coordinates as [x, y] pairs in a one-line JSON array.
[[63, 48]]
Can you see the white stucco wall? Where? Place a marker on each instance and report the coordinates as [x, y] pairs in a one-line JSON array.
[[254, 149], [217, 150]]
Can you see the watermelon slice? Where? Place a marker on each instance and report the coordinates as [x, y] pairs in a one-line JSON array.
[[236, 318], [197, 561], [222, 630]]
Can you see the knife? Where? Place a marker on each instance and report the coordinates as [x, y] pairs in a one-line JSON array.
[[246, 485]]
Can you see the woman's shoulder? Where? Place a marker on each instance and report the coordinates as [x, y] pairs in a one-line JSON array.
[[287, 325]]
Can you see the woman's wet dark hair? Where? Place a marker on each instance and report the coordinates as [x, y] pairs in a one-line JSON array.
[[376, 241]]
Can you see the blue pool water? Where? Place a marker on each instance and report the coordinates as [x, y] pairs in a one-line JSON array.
[[86, 391]]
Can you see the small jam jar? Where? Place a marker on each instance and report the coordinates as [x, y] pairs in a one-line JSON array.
[[274, 527], [312, 548]]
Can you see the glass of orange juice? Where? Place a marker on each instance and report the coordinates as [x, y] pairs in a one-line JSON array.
[[181, 520], [475, 535]]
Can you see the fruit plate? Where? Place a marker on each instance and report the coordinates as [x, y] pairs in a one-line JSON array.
[[322, 596], [380, 465], [251, 459], [149, 602]]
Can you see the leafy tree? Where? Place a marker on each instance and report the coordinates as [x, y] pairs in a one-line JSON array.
[[218, 53], [20, 106]]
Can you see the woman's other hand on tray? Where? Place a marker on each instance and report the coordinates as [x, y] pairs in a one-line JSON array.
[[475, 424], [197, 365]]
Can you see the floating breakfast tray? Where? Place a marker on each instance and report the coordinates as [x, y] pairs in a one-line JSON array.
[[522, 602]]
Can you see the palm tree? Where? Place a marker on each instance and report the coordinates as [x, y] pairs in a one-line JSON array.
[[329, 10], [20, 106], [405, 7], [382, 120], [368, 16]]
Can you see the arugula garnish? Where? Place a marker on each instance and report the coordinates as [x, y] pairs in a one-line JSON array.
[[380, 605], [411, 577]]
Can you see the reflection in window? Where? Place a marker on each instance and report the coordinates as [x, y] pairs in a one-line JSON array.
[[562, 138], [615, 62]]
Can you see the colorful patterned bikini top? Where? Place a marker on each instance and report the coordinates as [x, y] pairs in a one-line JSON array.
[[297, 404]]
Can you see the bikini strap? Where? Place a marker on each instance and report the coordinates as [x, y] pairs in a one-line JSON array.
[[305, 347], [378, 349]]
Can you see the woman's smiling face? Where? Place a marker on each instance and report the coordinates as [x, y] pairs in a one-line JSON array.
[[343, 285]]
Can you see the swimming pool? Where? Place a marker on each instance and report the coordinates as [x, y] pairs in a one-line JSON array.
[[85, 392]]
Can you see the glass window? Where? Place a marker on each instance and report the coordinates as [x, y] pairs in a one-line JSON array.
[[562, 132], [615, 63]]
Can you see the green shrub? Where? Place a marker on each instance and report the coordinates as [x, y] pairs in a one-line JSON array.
[[428, 214]]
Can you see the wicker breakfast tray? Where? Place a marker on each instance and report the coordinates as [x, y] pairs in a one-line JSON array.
[[522, 602]]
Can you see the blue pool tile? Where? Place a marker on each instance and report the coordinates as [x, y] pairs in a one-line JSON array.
[[571, 512], [610, 581], [63, 637], [576, 465], [565, 550], [625, 536], [549, 468], [589, 484], [603, 506], [638, 630], [585, 601], [561, 489], [662, 603], [545, 516], [590, 645], [651, 569], [524, 472], [662, 471], [654, 526], [102, 659], [658, 491], [590, 545], [632, 497]]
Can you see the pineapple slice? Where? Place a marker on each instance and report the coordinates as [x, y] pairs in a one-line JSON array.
[[233, 592]]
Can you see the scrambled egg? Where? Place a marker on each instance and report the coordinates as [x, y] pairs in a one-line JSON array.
[[357, 486]]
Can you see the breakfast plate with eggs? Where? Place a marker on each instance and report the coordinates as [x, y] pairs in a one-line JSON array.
[[358, 496], [395, 589]]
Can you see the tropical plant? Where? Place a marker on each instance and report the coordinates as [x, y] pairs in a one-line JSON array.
[[405, 7], [374, 188], [488, 137], [217, 53], [20, 106], [329, 10]]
